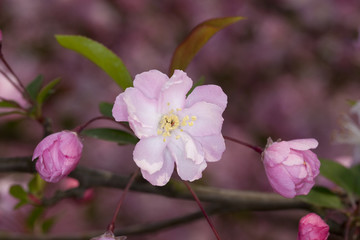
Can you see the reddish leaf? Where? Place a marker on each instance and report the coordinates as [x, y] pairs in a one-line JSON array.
[[197, 38]]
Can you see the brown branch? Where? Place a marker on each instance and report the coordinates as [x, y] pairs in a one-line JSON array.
[[126, 231], [243, 200]]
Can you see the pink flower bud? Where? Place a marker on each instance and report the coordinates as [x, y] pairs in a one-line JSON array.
[[291, 167], [312, 227], [58, 154], [108, 235]]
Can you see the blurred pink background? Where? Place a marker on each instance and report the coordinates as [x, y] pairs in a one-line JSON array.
[[288, 70]]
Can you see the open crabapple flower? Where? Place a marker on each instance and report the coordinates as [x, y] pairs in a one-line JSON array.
[[108, 235], [173, 128], [290, 166], [59, 154], [312, 227]]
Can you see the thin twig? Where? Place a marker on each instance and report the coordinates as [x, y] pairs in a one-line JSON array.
[[80, 128], [11, 82], [12, 72], [130, 230], [255, 148], [202, 210], [111, 226]]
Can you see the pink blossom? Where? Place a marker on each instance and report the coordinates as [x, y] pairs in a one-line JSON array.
[[291, 167], [173, 129], [58, 154], [312, 227], [108, 235]]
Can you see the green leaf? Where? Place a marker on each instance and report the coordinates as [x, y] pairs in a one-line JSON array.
[[18, 192], [198, 83], [106, 109], [100, 55], [9, 104], [34, 216], [36, 185], [113, 135], [356, 173], [34, 87], [46, 91], [338, 174], [47, 224], [322, 197], [20, 204], [197, 38]]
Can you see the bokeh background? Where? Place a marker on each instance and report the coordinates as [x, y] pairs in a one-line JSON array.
[[289, 70]]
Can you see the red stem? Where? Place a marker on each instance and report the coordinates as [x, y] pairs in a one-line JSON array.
[[111, 226], [202, 210], [80, 128], [255, 148], [11, 82]]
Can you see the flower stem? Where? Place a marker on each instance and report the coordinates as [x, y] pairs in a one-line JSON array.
[[80, 128], [255, 148], [202, 210], [21, 88], [11, 82], [111, 226]]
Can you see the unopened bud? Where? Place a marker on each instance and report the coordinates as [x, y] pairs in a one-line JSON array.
[[58, 154], [108, 235]]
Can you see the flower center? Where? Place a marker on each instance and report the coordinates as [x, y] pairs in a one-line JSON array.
[[170, 122]]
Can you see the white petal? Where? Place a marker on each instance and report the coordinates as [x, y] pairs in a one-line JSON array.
[[207, 93], [149, 154], [186, 167], [150, 83], [213, 146], [119, 110], [143, 115], [208, 119], [174, 91], [161, 177]]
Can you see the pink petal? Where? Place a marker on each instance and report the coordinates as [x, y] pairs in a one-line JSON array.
[[207, 93], [312, 162], [150, 83], [213, 146], [143, 115], [186, 168], [174, 92], [298, 173], [208, 119], [190, 171], [303, 144], [305, 188], [193, 149], [280, 181], [294, 159], [149, 154], [70, 145], [45, 144], [161, 177], [276, 153], [119, 110]]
